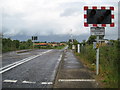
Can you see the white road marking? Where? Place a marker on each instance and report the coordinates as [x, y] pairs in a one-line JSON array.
[[10, 66], [71, 80], [15, 62], [57, 64], [23, 53], [46, 82], [60, 57], [28, 82], [10, 81]]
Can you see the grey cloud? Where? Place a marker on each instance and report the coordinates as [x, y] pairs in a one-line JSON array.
[[70, 12], [51, 28], [50, 38], [72, 8]]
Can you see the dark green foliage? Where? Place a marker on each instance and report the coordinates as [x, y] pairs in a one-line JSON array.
[[12, 45], [72, 42], [89, 53], [91, 39], [109, 64], [109, 61]]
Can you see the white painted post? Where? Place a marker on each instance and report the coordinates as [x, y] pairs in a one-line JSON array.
[[97, 58], [78, 48]]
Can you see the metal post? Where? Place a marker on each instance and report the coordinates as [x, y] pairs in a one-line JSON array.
[[97, 58]]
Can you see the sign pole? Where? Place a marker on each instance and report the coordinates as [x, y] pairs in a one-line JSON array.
[[93, 19], [97, 58]]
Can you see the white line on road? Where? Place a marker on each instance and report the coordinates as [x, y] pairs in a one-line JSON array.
[[15, 63], [57, 64], [46, 82], [23, 53], [10, 81], [70, 80], [60, 57], [28, 82], [10, 66]]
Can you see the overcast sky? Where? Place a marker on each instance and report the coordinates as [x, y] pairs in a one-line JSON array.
[[50, 19]]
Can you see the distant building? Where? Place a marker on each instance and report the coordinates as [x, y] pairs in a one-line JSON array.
[[41, 44], [49, 44], [104, 41]]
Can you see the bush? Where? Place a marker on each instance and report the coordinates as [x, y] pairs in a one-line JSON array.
[[108, 62]]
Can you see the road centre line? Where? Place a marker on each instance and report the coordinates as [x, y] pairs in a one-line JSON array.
[[71, 80], [8, 67], [15, 63], [14, 66], [10, 81]]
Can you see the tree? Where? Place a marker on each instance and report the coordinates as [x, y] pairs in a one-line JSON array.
[[91, 39], [16, 43], [83, 42], [29, 43], [75, 42]]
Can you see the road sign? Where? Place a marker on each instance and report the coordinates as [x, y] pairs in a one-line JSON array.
[[97, 31], [98, 16]]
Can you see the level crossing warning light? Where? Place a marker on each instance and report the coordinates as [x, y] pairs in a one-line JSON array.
[[34, 37], [98, 16]]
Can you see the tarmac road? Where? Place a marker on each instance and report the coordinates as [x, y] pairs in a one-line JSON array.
[[33, 69]]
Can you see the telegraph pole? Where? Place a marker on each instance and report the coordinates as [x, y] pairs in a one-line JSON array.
[[73, 47], [71, 36]]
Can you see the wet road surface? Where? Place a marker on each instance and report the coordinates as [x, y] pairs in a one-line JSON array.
[[37, 71]]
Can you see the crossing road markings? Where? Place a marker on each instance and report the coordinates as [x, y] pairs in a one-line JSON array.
[[74, 80], [46, 82], [28, 82], [10, 81]]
